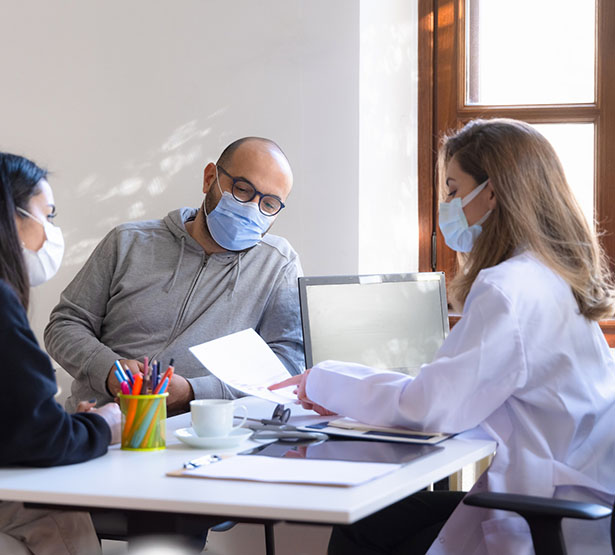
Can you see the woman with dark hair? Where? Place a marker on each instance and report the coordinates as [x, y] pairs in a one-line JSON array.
[[37, 430], [527, 362]]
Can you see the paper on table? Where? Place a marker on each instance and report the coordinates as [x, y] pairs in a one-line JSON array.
[[292, 471], [244, 361]]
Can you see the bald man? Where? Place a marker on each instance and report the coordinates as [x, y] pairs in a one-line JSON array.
[[158, 287]]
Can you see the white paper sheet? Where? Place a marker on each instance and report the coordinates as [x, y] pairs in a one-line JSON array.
[[293, 471], [244, 361]]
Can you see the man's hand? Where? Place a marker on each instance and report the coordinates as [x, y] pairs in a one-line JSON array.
[[180, 395], [113, 384]]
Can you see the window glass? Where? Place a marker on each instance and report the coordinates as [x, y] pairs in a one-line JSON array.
[[530, 52], [574, 144]]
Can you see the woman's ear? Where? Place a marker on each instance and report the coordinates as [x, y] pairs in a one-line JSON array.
[[209, 177], [491, 199]]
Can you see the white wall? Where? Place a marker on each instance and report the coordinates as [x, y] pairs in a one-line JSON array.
[[126, 102]]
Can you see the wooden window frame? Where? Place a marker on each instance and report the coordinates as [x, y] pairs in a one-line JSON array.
[[441, 106]]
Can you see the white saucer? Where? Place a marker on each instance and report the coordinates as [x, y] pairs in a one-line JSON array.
[[236, 437]]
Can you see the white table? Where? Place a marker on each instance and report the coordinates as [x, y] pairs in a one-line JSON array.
[[136, 481]]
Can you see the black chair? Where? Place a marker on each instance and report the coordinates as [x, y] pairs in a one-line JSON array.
[[544, 516]]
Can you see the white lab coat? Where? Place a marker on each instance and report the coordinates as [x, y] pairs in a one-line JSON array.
[[526, 367]]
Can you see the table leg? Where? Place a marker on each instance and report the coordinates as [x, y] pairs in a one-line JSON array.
[[269, 539]]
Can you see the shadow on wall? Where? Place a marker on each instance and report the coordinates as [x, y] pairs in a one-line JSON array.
[[151, 186], [143, 187]]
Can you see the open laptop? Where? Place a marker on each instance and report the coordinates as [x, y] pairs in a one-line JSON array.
[[387, 321]]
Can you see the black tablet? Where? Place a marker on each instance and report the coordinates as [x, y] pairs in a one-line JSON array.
[[347, 450]]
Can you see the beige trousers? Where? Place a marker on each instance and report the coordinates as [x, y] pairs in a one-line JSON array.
[[43, 532]]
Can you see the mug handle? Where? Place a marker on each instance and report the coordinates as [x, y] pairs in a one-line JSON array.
[[245, 416]]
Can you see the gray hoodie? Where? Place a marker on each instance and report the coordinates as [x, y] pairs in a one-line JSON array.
[[149, 289]]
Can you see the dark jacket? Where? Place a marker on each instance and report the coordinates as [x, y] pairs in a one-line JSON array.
[[35, 430]]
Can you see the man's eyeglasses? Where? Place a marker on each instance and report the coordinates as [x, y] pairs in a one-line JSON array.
[[244, 191]]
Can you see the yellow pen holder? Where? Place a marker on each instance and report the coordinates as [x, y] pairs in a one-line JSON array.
[[144, 422]]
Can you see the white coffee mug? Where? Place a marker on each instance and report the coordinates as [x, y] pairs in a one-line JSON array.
[[214, 417]]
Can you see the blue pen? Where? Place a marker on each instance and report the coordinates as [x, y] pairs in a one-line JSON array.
[[164, 386], [155, 375], [121, 370], [129, 375], [119, 377]]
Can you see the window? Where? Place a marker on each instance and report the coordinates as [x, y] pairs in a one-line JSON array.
[[549, 63]]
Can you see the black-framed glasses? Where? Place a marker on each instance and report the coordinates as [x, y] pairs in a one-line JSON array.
[[244, 191]]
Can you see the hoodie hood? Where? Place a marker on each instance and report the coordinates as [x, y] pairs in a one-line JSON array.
[[176, 223]]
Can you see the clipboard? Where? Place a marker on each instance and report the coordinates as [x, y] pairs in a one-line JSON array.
[[254, 468], [347, 427]]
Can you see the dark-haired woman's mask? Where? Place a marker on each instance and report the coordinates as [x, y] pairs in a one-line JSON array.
[[44, 263]]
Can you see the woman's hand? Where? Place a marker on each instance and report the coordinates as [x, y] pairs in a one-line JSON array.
[[300, 381], [113, 416], [86, 406]]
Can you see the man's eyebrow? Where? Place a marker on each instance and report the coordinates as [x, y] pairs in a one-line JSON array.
[[53, 208], [256, 188], [450, 179]]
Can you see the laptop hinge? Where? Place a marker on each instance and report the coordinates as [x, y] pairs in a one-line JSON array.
[[433, 252]]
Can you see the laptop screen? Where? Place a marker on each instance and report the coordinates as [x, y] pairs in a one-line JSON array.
[[388, 321]]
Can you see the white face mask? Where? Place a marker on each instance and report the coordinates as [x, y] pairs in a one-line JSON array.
[[44, 263], [453, 223]]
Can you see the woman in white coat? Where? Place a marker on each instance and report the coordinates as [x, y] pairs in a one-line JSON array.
[[527, 362]]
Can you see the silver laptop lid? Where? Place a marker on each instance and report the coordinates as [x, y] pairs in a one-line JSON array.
[[387, 321]]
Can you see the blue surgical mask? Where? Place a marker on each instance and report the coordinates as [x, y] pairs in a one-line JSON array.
[[236, 225], [458, 235]]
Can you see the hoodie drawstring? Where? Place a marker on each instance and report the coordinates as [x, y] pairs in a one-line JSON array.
[[168, 288]]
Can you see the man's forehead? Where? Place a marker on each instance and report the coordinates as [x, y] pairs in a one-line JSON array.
[[254, 153], [262, 162], [264, 165]]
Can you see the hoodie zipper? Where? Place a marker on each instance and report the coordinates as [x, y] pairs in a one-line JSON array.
[[184, 306]]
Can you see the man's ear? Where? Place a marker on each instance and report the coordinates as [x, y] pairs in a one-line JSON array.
[[209, 177], [491, 200]]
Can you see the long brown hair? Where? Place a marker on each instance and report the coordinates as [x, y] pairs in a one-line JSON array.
[[19, 179], [535, 209]]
